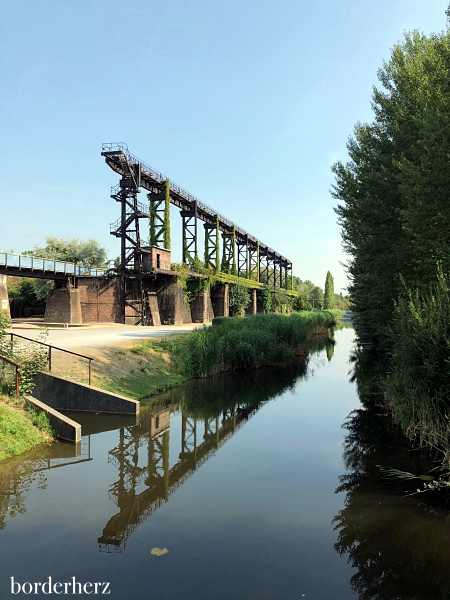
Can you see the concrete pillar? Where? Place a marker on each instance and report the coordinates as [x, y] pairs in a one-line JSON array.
[[153, 307], [170, 303], [201, 308], [63, 306], [4, 301], [221, 300], [252, 307]]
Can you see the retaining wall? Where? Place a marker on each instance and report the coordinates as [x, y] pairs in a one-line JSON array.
[[63, 394], [66, 428]]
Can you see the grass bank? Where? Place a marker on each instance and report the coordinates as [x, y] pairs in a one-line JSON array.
[[229, 344], [21, 428]]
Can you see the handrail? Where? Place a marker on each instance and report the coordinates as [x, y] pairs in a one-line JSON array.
[[50, 347], [49, 265], [11, 362]]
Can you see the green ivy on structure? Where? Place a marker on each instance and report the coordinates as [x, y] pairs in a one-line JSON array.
[[233, 266], [217, 245], [152, 229], [167, 216]]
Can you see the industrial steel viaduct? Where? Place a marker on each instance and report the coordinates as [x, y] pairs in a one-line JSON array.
[[243, 255]]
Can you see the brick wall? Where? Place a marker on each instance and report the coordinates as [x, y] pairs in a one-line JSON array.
[[99, 298]]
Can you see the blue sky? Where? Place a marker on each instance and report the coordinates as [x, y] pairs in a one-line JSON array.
[[245, 103]]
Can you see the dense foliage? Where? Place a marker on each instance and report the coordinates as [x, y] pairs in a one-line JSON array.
[[393, 193], [394, 210], [328, 299]]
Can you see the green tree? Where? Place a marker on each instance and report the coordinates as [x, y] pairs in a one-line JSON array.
[[88, 253], [328, 301], [239, 299], [301, 303], [393, 193]]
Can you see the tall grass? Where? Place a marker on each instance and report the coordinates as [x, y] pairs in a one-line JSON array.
[[256, 341], [417, 385], [19, 429]]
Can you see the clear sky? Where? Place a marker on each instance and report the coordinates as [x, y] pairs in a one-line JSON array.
[[245, 103]]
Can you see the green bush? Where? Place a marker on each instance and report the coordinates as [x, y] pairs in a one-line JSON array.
[[248, 343], [219, 320]]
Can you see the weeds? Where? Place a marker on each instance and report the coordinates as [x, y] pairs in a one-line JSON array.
[[235, 343]]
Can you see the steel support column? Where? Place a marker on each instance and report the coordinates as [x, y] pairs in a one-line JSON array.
[[157, 217], [190, 249], [242, 258], [211, 246], [253, 262], [127, 229]]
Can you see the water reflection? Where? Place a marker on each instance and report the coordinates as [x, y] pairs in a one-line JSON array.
[[18, 474], [152, 464], [398, 545], [175, 434]]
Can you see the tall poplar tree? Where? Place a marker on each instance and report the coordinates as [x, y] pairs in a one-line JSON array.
[[394, 194], [329, 292]]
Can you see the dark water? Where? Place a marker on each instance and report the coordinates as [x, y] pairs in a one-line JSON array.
[[237, 478]]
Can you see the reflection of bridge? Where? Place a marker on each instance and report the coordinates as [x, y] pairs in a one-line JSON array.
[[160, 480]]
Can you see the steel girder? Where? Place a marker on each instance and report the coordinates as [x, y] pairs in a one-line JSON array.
[[156, 200], [242, 258], [253, 262], [228, 257], [190, 250], [211, 246]]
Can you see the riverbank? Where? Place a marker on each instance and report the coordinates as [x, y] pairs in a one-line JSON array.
[[149, 366], [21, 429]]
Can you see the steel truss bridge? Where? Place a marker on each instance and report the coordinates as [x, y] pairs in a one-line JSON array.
[[243, 255]]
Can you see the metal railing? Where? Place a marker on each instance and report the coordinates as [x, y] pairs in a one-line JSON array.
[[46, 265], [50, 348], [17, 366], [122, 147]]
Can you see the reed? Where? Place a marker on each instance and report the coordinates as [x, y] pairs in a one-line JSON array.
[[256, 341]]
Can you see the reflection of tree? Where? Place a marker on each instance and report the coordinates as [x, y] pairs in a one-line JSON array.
[[18, 474], [15, 482], [399, 547]]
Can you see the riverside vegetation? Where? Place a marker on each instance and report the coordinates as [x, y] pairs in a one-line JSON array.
[[393, 206], [21, 427], [231, 343], [144, 368]]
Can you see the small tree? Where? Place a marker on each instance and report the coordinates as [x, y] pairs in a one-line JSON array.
[[239, 299], [329, 292], [301, 303]]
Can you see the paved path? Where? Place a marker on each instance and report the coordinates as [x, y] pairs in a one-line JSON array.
[[92, 337]]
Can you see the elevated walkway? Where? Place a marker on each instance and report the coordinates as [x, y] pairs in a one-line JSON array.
[[19, 265]]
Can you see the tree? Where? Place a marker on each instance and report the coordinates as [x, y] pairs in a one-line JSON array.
[[393, 198], [301, 303], [239, 299], [88, 253], [328, 301]]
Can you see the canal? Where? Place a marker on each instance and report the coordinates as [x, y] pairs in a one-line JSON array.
[[258, 486]]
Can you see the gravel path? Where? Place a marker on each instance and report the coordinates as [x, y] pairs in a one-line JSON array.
[[104, 335]]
